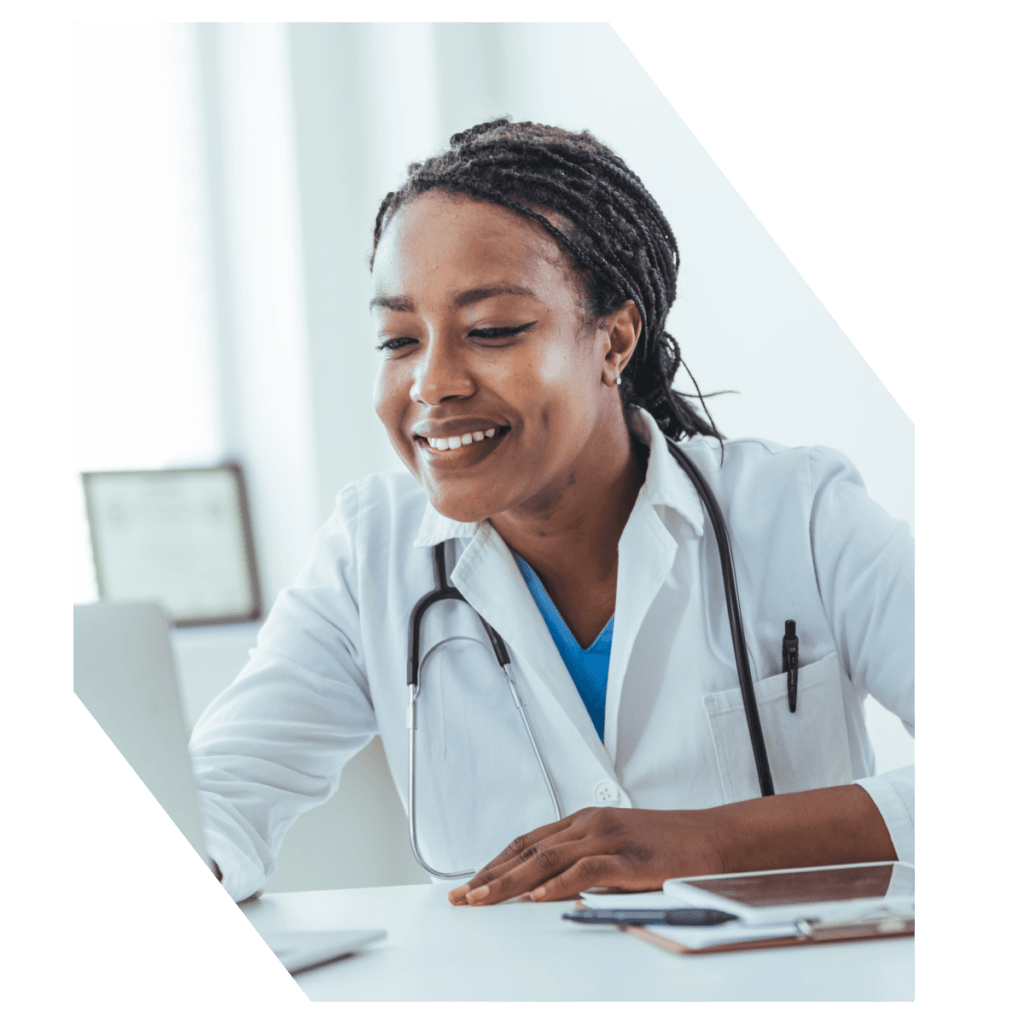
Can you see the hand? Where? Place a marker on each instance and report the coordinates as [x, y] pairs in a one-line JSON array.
[[629, 849]]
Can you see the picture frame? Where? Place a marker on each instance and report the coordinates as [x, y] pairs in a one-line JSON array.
[[182, 537]]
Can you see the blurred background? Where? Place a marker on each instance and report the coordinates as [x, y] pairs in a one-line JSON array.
[[226, 182]]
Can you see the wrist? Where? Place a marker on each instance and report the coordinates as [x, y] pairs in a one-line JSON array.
[[716, 827], [693, 842], [838, 825]]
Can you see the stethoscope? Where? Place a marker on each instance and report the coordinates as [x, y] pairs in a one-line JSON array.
[[444, 591]]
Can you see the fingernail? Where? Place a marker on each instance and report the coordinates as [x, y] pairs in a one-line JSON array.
[[537, 894], [478, 894], [460, 891]]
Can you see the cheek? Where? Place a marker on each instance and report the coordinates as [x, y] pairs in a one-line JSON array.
[[548, 372], [559, 384], [380, 395], [388, 402]]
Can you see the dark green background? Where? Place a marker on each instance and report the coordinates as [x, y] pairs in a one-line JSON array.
[[876, 142]]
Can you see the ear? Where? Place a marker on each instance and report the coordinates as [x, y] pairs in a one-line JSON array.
[[622, 330]]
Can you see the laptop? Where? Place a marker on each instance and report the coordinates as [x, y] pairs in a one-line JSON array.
[[125, 675]]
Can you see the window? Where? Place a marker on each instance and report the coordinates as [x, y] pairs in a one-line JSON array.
[[145, 370]]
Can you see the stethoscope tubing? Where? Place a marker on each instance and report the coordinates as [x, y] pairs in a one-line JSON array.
[[732, 604], [444, 591]]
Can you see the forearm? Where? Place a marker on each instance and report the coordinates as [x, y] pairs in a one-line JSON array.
[[838, 825]]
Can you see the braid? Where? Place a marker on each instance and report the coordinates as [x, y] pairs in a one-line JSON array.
[[618, 238]]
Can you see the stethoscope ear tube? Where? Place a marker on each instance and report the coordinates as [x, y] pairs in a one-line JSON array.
[[443, 591], [764, 775]]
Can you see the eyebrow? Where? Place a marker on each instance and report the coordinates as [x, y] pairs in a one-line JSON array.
[[403, 304]]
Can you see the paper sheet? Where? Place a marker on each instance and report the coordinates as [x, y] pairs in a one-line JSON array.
[[721, 934]]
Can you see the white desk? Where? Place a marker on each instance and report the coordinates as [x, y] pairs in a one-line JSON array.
[[524, 951]]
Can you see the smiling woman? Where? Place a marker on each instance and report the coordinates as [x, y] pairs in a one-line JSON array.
[[480, 318], [520, 284]]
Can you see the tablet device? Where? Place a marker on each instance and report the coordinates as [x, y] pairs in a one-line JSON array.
[[836, 892]]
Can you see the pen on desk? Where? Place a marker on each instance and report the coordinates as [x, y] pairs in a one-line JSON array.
[[790, 654], [679, 915]]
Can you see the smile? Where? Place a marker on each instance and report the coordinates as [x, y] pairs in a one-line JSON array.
[[457, 441], [442, 444]]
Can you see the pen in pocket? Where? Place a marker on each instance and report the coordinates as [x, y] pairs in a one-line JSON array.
[[790, 654]]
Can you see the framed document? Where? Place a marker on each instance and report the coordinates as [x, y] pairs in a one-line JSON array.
[[181, 537]]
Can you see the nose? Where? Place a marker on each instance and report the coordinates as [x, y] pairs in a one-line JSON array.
[[440, 374]]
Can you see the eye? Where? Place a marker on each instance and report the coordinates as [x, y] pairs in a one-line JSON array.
[[393, 344], [500, 332]]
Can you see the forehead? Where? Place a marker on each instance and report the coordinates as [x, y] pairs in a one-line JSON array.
[[442, 243]]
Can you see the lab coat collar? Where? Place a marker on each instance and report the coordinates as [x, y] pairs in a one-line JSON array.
[[666, 484]]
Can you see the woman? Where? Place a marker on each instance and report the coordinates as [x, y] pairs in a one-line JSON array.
[[520, 285]]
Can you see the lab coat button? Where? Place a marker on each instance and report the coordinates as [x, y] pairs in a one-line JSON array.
[[606, 792]]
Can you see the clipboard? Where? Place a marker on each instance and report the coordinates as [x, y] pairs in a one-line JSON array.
[[891, 927]]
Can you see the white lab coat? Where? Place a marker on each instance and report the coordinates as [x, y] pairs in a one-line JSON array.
[[329, 670]]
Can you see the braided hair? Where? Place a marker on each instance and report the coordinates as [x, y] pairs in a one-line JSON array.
[[616, 235]]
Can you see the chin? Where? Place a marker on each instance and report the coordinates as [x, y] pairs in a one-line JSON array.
[[462, 508], [458, 510]]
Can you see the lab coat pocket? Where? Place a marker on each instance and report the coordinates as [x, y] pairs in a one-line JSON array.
[[807, 749]]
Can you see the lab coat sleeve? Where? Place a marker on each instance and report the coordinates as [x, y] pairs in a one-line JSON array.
[[864, 564], [273, 744]]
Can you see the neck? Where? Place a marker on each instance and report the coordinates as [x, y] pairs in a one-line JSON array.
[[570, 534]]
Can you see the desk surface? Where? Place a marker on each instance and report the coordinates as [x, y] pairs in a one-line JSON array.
[[524, 951]]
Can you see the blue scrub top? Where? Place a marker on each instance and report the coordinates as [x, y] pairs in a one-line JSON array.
[[588, 668]]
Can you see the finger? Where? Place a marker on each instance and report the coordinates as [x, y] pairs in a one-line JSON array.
[[509, 856], [457, 896], [530, 868], [514, 851], [586, 873]]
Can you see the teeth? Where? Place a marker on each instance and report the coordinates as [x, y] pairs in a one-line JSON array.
[[443, 444]]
